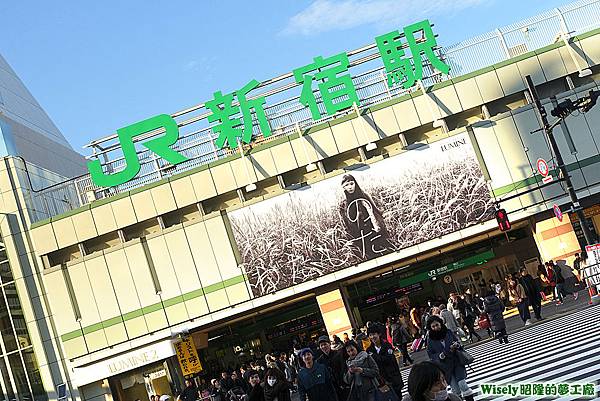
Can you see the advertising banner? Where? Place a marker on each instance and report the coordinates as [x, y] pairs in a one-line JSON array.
[[404, 200], [188, 356], [592, 271]]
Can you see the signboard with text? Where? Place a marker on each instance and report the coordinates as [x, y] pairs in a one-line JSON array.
[[154, 353], [592, 271], [187, 355], [392, 294]]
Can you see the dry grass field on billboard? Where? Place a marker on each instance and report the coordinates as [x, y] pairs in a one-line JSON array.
[[405, 200]]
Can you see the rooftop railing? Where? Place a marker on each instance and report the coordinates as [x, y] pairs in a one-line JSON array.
[[285, 113]]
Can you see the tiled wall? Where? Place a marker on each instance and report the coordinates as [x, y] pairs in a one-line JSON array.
[[146, 285]]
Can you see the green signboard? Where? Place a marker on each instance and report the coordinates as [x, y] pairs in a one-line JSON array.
[[477, 259], [329, 75]]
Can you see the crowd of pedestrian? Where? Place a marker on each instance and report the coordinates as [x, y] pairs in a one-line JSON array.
[[365, 364]]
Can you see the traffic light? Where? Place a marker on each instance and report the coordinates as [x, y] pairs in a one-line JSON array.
[[502, 219]]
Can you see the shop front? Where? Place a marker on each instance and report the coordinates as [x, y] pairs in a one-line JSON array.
[[592, 217], [250, 338], [141, 383], [135, 375], [474, 267]]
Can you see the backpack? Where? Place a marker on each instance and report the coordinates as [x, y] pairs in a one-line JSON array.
[[469, 311], [558, 275]]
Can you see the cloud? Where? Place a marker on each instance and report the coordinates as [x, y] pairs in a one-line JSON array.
[[191, 65], [204, 67], [334, 15]]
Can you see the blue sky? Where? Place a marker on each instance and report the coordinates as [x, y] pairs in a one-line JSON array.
[[99, 66]]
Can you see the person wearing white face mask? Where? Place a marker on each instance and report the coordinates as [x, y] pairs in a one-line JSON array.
[[276, 386], [427, 382]]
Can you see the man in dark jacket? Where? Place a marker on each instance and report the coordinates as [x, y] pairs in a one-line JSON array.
[[189, 393], [226, 382], [336, 363], [383, 353], [314, 380], [237, 382], [533, 293]]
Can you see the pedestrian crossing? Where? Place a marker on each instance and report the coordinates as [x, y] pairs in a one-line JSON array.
[[566, 349]]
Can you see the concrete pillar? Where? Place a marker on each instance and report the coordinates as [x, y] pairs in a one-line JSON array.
[[335, 313], [556, 240]]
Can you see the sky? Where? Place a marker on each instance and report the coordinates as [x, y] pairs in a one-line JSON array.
[[99, 66]]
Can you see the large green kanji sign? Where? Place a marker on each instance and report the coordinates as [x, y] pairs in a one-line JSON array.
[[337, 91], [160, 145], [326, 88], [404, 70], [229, 126]]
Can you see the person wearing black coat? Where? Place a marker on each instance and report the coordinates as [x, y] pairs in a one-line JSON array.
[[442, 349], [494, 308], [237, 382], [401, 338], [189, 393], [276, 387], [383, 353], [216, 392], [533, 293], [226, 382], [255, 390], [335, 360]]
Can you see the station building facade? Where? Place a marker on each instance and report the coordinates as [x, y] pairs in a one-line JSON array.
[[315, 231]]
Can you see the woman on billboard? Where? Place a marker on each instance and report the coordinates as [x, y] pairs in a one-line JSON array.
[[363, 221]]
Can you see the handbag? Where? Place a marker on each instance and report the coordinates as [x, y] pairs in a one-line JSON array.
[[385, 393], [416, 344], [464, 358], [484, 321]]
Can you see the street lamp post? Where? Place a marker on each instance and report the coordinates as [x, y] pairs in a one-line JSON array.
[[562, 111]]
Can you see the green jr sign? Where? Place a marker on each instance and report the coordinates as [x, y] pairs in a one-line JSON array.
[[330, 75]]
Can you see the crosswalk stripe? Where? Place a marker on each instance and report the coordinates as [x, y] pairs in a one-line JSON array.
[[527, 373], [543, 357], [564, 349]]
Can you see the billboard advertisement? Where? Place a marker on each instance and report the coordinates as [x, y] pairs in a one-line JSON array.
[[411, 198]]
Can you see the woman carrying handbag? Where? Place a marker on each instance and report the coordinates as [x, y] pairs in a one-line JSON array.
[[361, 375], [445, 350]]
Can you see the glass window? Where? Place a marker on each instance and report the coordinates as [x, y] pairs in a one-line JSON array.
[[8, 336], [18, 372], [33, 371], [5, 273], [16, 312], [6, 380]]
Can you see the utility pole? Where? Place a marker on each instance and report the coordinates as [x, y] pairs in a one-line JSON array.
[[548, 130]]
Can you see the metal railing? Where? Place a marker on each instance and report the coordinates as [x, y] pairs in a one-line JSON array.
[[285, 112]]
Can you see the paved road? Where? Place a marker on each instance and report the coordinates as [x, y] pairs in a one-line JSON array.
[[564, 349], [514, 323]]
